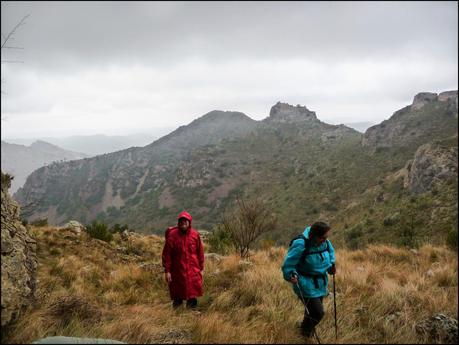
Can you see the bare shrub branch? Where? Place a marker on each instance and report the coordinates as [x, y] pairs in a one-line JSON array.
[[246, 222]]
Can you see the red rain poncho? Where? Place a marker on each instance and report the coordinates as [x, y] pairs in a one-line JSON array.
[[183, 258]]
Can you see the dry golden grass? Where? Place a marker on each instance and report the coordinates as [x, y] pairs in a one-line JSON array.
[[88, 288]]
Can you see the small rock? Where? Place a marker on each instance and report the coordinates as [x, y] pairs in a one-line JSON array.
[[213, 256], [204, 234], [392, 317], [245, 263]]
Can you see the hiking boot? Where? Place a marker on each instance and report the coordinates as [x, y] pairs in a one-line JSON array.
[[307, 333], [176, 303], [192, 303]]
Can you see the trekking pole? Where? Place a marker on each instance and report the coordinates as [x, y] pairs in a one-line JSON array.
[[334, 304], [306, 307]]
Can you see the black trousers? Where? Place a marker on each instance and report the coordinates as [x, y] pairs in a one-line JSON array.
[[313, 313], [190, 303]]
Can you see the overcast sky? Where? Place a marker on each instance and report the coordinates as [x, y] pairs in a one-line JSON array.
[[126, 67]]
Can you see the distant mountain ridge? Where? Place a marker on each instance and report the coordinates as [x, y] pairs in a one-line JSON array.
[[99, 143], [20, 160], [303, 168]]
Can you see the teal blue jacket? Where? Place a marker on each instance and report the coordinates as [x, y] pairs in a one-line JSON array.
[[314, 264]]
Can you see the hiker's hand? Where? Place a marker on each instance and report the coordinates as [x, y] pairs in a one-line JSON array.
[[332, 269], [294, 279], [168, 278]]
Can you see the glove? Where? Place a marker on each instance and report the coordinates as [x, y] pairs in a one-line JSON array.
[[332, 269], [294, 278]]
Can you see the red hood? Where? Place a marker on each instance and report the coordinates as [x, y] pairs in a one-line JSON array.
[[186, 215]]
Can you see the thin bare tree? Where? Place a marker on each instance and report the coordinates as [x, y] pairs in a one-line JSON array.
[[246, 222], [6, 43], [6, 40]]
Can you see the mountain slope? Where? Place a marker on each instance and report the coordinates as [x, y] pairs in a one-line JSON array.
[[20, 160], [82, 189], [302, 168]]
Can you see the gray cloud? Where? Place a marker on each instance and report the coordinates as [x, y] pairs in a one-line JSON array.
[[165, 63], [165, 32]]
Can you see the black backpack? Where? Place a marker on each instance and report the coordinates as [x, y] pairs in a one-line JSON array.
[[307, 245]]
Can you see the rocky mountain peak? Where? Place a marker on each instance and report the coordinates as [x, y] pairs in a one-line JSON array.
[[423, 98], [286, 113]]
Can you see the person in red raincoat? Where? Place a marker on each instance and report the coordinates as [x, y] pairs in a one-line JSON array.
[[183, 262]]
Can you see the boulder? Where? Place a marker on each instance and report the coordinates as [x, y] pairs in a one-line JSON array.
[[19, 259], [74, 226], [439, 329]]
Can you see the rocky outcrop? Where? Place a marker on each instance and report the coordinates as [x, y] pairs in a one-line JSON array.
[[431, 164], [19, 260], [429, 116], [422, 99], [448, 95], [286, 113]]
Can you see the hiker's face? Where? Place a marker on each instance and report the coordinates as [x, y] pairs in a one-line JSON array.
[[183, 224], [322, 239]]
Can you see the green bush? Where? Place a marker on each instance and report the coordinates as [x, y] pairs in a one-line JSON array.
[[392, 219], [99, 231], [220, 241], [452, 239], [117, 228], [353, 237]]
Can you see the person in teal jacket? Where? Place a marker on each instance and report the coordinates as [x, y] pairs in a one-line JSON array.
[[310, 257]]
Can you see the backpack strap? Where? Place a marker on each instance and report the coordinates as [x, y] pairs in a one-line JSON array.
[[307, 244], [296, 238]]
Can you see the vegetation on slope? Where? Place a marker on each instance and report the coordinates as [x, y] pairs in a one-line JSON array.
[[116, 290]]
